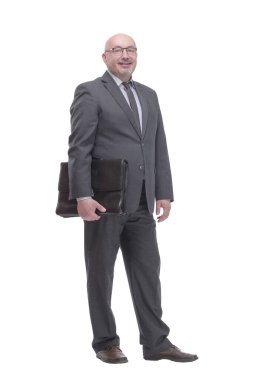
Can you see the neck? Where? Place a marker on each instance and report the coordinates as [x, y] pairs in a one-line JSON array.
[[123, 78], [126, 79]]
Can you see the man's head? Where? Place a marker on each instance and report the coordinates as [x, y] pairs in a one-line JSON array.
[[120, 63]]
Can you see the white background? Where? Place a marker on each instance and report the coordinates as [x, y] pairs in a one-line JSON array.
[[197, 55]]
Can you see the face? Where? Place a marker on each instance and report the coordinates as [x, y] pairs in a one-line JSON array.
[[122, 65]]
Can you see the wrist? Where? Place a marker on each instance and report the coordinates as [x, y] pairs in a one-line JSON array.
[[82, 198]]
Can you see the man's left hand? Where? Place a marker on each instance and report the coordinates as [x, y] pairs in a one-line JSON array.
[[165, 204]]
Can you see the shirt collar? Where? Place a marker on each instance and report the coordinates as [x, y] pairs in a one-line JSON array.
[[119, 81]]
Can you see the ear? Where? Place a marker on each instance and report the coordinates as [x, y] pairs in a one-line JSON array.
[[104, 57]]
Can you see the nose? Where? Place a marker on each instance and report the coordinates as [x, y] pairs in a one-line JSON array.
[[125, 54]]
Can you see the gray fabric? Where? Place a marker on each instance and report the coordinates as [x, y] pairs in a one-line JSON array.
[[135, 234], [103, 126]]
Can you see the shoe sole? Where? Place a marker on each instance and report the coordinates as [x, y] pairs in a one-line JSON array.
[[155, 358], [118, 361]]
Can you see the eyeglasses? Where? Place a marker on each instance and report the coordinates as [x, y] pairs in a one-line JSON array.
[[119, 50]]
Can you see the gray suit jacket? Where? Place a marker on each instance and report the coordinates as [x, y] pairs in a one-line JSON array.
[[102, 125]]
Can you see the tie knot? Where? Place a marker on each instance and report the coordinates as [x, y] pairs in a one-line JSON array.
[[127, 85]]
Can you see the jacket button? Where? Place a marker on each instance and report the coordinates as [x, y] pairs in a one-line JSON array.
[[141, 167]]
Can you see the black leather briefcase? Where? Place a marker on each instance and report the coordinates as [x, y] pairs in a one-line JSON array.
[[108, 181]]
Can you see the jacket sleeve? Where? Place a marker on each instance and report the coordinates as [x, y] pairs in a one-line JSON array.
[[84, 120], [163, 181]]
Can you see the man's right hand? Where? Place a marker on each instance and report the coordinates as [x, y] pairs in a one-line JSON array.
[[86, 209]]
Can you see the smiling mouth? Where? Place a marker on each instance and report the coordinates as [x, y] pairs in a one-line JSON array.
[[125, 63]]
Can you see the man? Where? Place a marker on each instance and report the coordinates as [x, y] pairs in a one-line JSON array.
[[114, 117]]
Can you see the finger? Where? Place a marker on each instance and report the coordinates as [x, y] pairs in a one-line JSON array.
[[100, 207], [91, 219], [90, 216], [94, 220], [159, 218], [164, 215], [95, 216], [163, 218], [158, 208]]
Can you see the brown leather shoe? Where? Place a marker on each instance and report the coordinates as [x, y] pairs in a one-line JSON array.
[[173, 353], [112, 354]]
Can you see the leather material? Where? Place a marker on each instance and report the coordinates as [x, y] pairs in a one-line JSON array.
[[112, 355], [173, 353], [109, 184]]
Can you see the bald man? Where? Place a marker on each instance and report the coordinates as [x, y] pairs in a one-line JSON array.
[[116, 117]]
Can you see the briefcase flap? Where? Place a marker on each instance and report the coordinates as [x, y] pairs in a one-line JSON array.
[[108, 175]]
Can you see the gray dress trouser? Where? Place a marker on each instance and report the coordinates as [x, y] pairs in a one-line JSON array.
[[135, 234]]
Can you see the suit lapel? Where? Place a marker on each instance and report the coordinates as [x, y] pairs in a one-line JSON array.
[[115, 91]]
